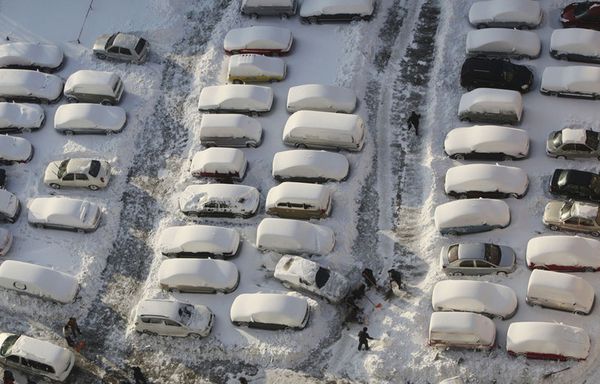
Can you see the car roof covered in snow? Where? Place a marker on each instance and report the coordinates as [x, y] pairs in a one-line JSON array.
[[199, 238], [88, 115], [576, 40], [258, 37], [337, 123], [474, 296], [573, 78], [486, 178], [321, 97], [331, 7], [126, 40], [15, 148], [250, 65], [197, 192], [20, 114], [230, 125], [465, 323], [221, 160], [302, 192], [472, 212], [236, 96], [547, 338], [562, 287], [504, 11], [563, 250], [160, 307], [274, 308], [60, 210], [574, 136], [208, 273], [310, 163], [41, 351], [487, 139], [503, 40], [30, 54], [492, 100], [289, 234], [21, 82]]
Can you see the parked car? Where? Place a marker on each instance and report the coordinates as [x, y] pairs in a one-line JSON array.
[[36, 280], [582, 14], [230, 130], [487, 142], [252, 68], [236, 98], [452, 380], [501, 42], [198, 276], [550, 341], [574, 184], [79, 173], [263, 40], [34, 56], [89, 118], [572, 143], [173, 318], [477, 259], [488, 105], [563, 253], [89, 86], [10, 207], [560, 291], [219, 200], [462, 217], [299, 201], [269, 311], [316, 11], [60, 212], [486, 180], [506, 14], [581, 81], [575, 44], [461, 330], [26, 86], [20, 117], [223, 164], [122, 47], [283, 8], [6, 240], [304, 275], [34, 356], [294, 236], [310, 166], [320, 97], [478, 72], [15, 150], [198, 241], [572, 216], [492, 300]]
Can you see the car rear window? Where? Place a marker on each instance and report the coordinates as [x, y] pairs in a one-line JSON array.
[[453, 253], [94, 168], [492, 253], [140, 46]]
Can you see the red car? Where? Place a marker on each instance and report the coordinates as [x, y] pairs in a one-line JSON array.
[[585, 14]]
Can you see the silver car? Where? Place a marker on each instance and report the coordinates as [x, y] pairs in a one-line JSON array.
[[572, 143], [122, 47], [477, 259]]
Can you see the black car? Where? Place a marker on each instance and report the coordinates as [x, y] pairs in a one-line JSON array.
[[578, 185], [480, 72]]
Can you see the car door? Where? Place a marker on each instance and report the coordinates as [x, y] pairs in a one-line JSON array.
[[174, 328], [113, 52], [482, 267], [153, 324], [125, 53], [68, 179], [465, 266], [81, 180]]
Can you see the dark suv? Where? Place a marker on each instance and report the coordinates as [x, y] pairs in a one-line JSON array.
[[480, 72], [578, 185]]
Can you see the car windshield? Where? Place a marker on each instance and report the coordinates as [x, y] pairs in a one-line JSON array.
[[557, 139], [453, 253], [565, 210], [185, 313], [322, 277], [140, 46], [94, 168], [62, 168], [9, 342], [591, 139], [493, 253], [110, 40]]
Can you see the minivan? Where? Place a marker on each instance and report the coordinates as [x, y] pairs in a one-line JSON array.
[[299, 201], [560, 291], [256, 8], [461, 330], [88, 86], [230, 130]]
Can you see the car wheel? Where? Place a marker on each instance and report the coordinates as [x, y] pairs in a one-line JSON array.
[[313, 20], [458, 156], [68, 132], [481, 25], [250, 145], [595, 233], [235, 52], [254, 16], [80, 230], [72, 99], [93, 187], [39, 225], [463, 196], [301, 146], [356, 18], [579, 313], [147, 332], [106, 102], [457, 274], [101, 56], [237, 81], [55, 186], [507, 158], [452, 233], [502, 273], [589, 269], [553, 228], [284, 16]]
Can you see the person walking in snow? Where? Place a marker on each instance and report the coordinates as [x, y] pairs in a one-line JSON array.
[[367, 274], [363, 339], [138, 376], [395, 281], [72, 324], [68, 335], [8, 378], [413, 120]]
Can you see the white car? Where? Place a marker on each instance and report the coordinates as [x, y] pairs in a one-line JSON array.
[[255, 8], [551, 341], [240, 98], [310, 166], [560, 291], [219, 200], [64, 213], [199, 240], [264, 40], [173, 318], [29, 86], [461, 330], [36, 56], [563, 253], [6, 240], [294, 236], [503, 42], [20, 117], [299, 201], [227, 164], [89, 118], [489, 299], [304, 275], [487, 142], [571, 81], [471, 216], [251, 68], [79, 173], [270, 311], [10, 207], [89, 86], [229, 130], [320, 97], [576, 44], [315, 11], [486, 180], [198, 276], [506, 14], [15, 150], [490, 105]]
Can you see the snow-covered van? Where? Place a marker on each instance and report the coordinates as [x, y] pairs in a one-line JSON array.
[[230, 130], [550, 341], [261, 39], [89, 86], [471, 216], [486, 180], [314, 11], [270, 311], [294, 236], [236, 98], [219, 163], [503, 42], [461, 330], [563, 253], [491, 105], [284, 8], [299, 201], [199, 241], [10, 206], [560, 291], [506, 14], [173, 318], [576, 44], [487, 142], [219, 200], [571, 81]]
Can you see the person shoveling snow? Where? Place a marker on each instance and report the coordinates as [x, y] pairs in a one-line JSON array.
[[363, 339]]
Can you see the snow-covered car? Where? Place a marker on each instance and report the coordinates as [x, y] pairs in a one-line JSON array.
[[503, 42], [315, 11], [471, 215], [576, 44], [6, 239], [550, 341], [198, 276], [505, 14], [15, 150], [310, 166], [294, 236], [299, 201], [252, 68], [121, 46], [263, 40], [561, 291], [79, 173], [29, 86], [20, 117], [89, 86], [173, 318], [493, 300], [477, 259], [67, 213], [255, 8], [198, 241], [320, 97], [219, 200], [582, 14], [452, 380], [563, 253], [227, 164], [573, 143], [572, 81], [229, 130], [487, 142], [461, 330], [572, 216], [10, 207], [36, 357], [36, 280], [35, 56], [270, 311], [304, 275], [486, 180], [236, 98], [89, 118], [491, 105]]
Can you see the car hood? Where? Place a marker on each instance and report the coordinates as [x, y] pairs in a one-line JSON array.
[[51, 173], [100, 43], [200, 319], [552, 211]]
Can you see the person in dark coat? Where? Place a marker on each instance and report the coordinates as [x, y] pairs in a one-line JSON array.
[[413, 120], [138, 376], [363, 339], [9, 378], [72, 324], [243, 380], [367, 274], [68, 335], [395, 277]]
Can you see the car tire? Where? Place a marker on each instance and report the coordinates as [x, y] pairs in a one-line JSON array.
[[458, 156], [517, 196], [54, 185], [72, 99], [237, 81], [589, 269], [457, 274], [481, 26], [507, 158], [68, 132], [106, 102], [80, 230], [313, 20], [301, 146], [553, 227], [356, 18], [150, 333], [595, 233], [254, 16], [39, 225], [502, 273], [250, 145], [93, 187], [101, 56], [284, 16]]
